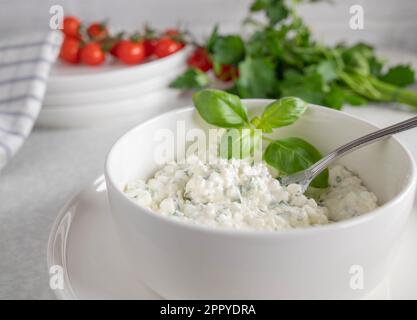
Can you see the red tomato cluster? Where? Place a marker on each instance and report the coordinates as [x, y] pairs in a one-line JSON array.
[[90, 45], [200, 59]]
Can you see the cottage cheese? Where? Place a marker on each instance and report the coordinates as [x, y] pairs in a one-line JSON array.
[[237, 194]]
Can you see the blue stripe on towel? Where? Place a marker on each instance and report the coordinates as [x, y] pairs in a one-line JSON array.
[[12, 133], [28, 78], [17, 114], [19, 62], [28, 45], [18, 98]]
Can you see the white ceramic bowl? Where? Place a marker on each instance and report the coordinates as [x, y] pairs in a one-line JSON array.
[[180, 260]]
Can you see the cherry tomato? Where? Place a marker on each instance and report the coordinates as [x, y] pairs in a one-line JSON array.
[[92, 54], [72, 27], [97, 31], [114, 49], [227, 73], [167, 46], [131, 52], [171, 32], [70, 50], [199, 59], [150, 45]]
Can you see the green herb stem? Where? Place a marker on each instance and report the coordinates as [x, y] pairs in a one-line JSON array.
[[395, 94], [267, 139]]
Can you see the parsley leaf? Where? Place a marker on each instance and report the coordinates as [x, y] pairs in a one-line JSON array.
[[191, 79], [275, 10], [256, 78], [265, 43], [212, 39], [401, 75], [307, 87], [228, 50], [334, 98]]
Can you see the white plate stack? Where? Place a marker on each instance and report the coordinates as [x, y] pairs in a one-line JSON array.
[[83, 96]]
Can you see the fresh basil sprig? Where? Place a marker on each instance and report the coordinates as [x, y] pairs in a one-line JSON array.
[[288, 155]]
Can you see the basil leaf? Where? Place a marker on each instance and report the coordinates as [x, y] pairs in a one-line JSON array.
[[291, 155], [282, 112], [190, 79], [221, 109], [239, 143], [228, 50]]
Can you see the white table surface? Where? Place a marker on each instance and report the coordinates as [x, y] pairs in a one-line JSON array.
[[53, 166]]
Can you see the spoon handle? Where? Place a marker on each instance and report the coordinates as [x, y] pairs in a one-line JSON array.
[[361, 142]]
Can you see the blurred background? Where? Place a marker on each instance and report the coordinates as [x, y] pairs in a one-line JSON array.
[[387, 23]]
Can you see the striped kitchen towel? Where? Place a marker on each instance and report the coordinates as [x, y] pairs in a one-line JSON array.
[[25, 62]]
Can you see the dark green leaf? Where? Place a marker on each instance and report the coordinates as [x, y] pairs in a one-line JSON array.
[[276, 11], [292, 155], [266, 43], [212, 39], [228, 50], [220, 108], [191, 79], [282, 112], [335, 98], [401, 75], [256, 78], [310, 88], [258, 5], [375, 66]]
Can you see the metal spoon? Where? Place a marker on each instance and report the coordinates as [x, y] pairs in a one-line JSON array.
[[304, 178]]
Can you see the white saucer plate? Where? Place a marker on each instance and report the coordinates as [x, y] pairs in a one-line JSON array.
[[128, 110], [133, 90], [83, 242], [66, 78]]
